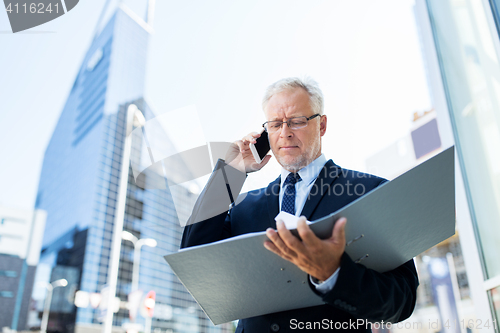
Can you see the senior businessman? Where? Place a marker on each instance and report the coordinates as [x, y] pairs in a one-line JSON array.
[[313, 187]]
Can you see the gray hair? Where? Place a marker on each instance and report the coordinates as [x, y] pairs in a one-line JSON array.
[[306, 83]]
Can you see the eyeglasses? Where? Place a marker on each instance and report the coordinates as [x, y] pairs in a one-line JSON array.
[[293, 123]]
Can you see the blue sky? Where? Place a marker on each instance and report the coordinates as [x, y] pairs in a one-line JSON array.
[[220, 56]]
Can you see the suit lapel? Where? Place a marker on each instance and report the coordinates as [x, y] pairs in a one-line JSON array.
[[272, 196], [327, 175]]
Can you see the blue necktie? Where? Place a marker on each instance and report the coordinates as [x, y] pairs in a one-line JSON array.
[[288, 202]]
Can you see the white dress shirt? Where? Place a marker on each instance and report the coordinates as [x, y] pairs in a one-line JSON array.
[[308, 176]]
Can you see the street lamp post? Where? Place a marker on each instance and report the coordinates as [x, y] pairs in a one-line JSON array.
[[46, 308], [134, 117], [138, 243]]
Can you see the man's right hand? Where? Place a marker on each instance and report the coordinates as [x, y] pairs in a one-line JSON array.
[[240, 157]]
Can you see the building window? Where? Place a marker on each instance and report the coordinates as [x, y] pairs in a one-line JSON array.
[[8, 273], [6, 294]]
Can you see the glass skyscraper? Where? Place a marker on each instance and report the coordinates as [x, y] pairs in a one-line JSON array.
[[78, 189]]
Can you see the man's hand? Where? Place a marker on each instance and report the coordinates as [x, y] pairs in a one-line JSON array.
[[240, 157], [319, 258]]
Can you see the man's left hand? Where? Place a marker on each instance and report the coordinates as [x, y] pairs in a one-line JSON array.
[[319, 258]]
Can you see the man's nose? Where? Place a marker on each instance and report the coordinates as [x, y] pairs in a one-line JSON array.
[[286, 131]]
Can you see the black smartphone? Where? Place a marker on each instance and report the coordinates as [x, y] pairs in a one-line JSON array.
[[261, 147]]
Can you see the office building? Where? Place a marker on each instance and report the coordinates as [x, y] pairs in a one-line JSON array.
[[421, 143], [20, 243], [79, 186], [461, 45]]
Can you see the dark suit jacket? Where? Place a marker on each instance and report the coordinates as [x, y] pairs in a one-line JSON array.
[[359, 293]]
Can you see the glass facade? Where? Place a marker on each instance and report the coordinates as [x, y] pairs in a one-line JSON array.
[[466, 38], [78, 189], [469, 62]]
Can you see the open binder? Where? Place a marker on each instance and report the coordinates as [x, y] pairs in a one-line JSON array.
[[238, 278]]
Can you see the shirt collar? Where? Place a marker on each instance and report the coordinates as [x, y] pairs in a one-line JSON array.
[[309, 173]]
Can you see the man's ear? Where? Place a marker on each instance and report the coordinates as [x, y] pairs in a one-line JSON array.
[[322, 125]]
